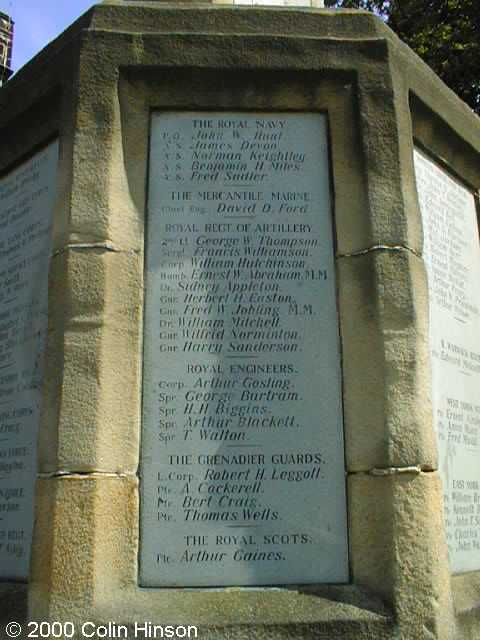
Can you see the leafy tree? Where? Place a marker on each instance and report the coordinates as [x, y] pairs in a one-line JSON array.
[[445, 33]]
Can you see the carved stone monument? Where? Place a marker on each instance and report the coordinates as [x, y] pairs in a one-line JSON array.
[[239, 331]]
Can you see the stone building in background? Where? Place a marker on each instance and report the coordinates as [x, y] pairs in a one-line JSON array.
[[6, 45]]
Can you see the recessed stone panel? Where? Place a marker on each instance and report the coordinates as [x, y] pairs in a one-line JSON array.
[[242, 472], [452, 255], [26, 205]]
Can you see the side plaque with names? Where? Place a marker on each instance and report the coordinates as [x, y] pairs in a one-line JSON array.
[[26, 205], [452, 255], [242, 471]]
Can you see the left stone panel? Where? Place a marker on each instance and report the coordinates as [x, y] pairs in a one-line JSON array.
[[27, 197]]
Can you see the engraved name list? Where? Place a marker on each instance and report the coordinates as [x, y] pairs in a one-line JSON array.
[[26, 204], [452, 256], [242, 468]]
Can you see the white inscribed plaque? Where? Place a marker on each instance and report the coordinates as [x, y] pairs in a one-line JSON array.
[[242, 471], [452, 256], [26, 204]]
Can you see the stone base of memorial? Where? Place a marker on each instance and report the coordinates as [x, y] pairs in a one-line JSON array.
[[239, 320]]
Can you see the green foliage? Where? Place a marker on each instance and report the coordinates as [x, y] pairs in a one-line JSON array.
[[445, 33]]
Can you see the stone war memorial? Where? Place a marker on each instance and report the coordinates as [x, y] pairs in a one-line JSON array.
[[239, 331]]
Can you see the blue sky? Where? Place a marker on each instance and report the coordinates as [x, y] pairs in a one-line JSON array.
[[37, 22]]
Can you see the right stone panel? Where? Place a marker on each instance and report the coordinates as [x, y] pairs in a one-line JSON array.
[[452, 257]]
